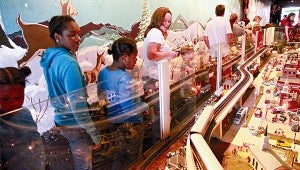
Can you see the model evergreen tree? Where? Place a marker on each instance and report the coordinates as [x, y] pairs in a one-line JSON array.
[[1, 22], [144, 21], [3, 38]]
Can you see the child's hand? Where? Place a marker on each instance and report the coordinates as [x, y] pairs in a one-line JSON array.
[[174, 54], [97, 147], [189, 69]]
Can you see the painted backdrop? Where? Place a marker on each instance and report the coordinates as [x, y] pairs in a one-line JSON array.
[[24, 29]]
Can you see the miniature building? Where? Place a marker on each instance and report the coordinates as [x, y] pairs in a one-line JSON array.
[[228, 84], [234, 77], [177, 159], [289, 72], [289, 82], [227, 72], [264, 157], [291, 65], [265, 140]]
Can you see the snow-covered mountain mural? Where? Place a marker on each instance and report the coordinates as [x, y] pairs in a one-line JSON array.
[[25, 26]]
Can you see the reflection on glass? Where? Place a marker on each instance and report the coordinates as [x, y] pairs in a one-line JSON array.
[[188, 90]]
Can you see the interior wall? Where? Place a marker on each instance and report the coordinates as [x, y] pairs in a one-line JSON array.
[[104, 11], [261, 8], [115, 12], [111, 18]]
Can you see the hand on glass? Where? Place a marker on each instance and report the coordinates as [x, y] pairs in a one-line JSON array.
[[97, 147], [173, 54]]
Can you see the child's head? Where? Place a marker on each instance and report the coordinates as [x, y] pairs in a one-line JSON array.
[[257, 19], [187, 52], [124, 52], [12, 85]]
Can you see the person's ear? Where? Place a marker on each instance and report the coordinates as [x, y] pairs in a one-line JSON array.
[[57, 37], [124, 58], [121, 59]]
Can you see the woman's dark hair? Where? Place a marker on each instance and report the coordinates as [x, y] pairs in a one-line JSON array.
[[12, 75], [58, 24], [157, 19], [289, 17], [232, 19], [220, 10], [122, 46]]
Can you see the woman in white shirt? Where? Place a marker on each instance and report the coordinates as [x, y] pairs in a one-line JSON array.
[[155, 45]]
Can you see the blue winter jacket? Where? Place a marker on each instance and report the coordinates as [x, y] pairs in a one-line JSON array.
[[66, 90]]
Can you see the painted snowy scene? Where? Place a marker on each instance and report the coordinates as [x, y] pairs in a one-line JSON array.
[[96, 39], [36, 88]]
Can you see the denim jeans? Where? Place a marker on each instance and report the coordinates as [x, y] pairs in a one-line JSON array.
[[80, 145]]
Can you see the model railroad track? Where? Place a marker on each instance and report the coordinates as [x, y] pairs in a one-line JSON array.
[[220, 107], [198, 150], [179, 130], [152, 98]]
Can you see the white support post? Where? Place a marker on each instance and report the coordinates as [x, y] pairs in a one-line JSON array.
[[256, 41], [164, 98], [219, 71], [243, 47], [265, 36]]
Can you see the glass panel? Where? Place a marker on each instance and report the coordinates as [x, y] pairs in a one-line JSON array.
[[279, 34], [30, 138], [192, 92], [227, 62], [115, 115]]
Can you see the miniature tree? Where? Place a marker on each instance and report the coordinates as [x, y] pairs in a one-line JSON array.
[[1, 22], [144, 21], [39, 108]]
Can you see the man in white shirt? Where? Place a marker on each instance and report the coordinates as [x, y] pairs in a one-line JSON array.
[[217, 31]]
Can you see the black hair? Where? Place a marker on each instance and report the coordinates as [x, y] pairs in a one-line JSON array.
[[122, 46], [58, 24], [12, 75]]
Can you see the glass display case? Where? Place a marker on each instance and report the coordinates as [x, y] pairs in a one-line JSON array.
[[190, 85]]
